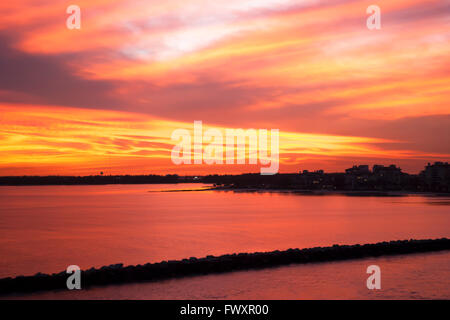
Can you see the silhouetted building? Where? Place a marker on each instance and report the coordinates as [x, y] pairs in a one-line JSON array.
[[311, 180], [358, 170], [387, 178], [436, 176], [357, 177], [382, 170]]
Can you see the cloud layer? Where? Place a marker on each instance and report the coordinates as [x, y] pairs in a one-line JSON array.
[[309, 68]]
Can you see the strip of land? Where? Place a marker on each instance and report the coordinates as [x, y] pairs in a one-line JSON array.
[[117, 273]]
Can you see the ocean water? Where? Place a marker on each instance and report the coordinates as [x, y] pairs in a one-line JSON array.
[[416, 276], [46, 228]]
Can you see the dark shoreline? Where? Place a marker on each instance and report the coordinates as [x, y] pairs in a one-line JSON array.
[[361, 193], [434, 179], [116, 274]]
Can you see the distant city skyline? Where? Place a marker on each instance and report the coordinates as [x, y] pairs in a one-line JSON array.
[[355, 169]]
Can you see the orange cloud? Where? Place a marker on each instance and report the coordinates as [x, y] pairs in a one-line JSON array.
[[74, 141], [111, 93]]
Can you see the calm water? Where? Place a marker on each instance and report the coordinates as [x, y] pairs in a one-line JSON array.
[[417, 276], [45, 229]]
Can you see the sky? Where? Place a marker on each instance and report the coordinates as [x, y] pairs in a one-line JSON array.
[[108, 96]]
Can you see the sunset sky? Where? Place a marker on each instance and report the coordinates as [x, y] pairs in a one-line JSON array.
[[108, 96]]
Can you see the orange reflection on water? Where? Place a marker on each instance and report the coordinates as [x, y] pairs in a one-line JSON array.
[[45, 229]]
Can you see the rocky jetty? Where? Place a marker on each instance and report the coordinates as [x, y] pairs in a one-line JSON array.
[[114, 274]]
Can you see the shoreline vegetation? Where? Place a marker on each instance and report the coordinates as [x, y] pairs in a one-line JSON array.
[[118, 274]]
